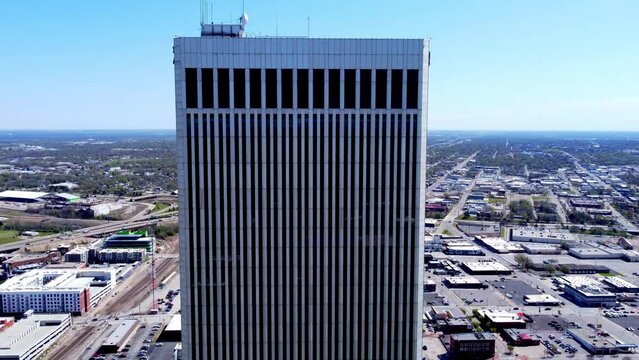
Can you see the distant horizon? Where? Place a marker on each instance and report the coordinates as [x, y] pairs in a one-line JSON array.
[[435, 130]]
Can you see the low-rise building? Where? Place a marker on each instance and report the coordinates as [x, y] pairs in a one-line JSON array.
[[502, 319], [463, 248], [471, 345], [56, 290], [455, 325], [79, 254], [542, 235], [22, 196], [447, 267], [519, 338], [485, 268], [63, 198], [430, 223], [630, 255], [540, 300], [130, 240], [28, 261], [463, 282], [619, 285], [430, 286], [119, 337], [541, 249], [587, 292], [595, 251], [584, 269], [30, 337], [598, 344], [499, 245], [586, 203], [121, 255]]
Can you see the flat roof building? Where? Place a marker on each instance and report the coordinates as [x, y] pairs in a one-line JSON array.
[[28, 261], [584, 269], [540, 300], [541, 249], [587, 292], [471, 345], [597, 344], [619, 285], [130, 240], [173, 330], [56, 290], [594, 251], [485, 268], [463, 282], [455, 325], [463, 248], [499, 245], [520, 338], [543, 235], [586, 203], [502, 319], [119, 337], [121, 255], [79, 254], [30, 337]]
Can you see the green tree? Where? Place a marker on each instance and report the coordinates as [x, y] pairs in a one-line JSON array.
[[550, 268], [523, 261]]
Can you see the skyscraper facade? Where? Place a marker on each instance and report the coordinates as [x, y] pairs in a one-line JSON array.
[[301, 169]]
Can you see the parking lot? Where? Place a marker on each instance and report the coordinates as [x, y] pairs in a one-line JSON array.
[[515, 288], [552, 332], [626, 322], [434, 299], [482, 297]]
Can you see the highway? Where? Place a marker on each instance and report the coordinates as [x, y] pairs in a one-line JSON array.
[[137, 221]]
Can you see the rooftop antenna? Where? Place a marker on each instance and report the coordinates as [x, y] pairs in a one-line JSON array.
[[206, 9], [308, 26]]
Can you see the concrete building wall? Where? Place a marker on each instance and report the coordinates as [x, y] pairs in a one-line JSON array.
[[301, 223]]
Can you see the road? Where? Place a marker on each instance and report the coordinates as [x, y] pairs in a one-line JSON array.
[[433, 186], [560, 209], [137, 221], [448, 224], [620, 218]]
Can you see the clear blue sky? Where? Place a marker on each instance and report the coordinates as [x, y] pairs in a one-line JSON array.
[[508, 64]]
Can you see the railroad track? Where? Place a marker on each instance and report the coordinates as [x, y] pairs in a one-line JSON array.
[[129, 297], [64, 353]]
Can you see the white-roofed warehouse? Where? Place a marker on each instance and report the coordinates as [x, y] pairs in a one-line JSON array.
[[22, 196]]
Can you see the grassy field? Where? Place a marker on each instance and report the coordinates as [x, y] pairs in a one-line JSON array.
[[160, 206], [608, 275], [7, 236]]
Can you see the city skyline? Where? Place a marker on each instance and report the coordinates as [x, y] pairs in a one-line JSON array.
[[496, 65]]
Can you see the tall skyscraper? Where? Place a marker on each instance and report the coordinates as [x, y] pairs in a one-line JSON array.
[[301, 181]]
